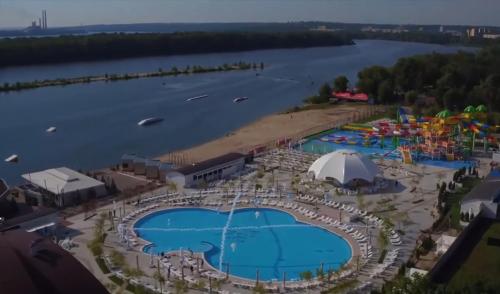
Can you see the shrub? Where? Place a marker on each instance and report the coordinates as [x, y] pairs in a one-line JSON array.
[[382, 256], [259, 288], [116, 280], [102, 265], [95, 247], [427, 244]]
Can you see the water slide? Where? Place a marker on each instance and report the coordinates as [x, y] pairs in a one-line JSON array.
[[405, 117], [358, 127], [406, 155]]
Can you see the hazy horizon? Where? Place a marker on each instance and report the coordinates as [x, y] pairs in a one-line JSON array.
[[20, 13]]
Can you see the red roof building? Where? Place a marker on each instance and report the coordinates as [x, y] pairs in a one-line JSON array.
[[349, 96]]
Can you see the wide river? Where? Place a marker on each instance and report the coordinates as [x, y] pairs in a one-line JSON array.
[[97, 123]]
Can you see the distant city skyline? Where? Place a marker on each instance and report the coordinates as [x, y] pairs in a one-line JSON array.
[[20, 13]]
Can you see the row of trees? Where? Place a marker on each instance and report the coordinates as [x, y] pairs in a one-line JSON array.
[[418, 284], [429, 82], [22, 51], [340, 84], [454, 80], [174, 71]]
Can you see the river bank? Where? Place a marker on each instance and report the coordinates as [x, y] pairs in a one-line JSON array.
[[272, 129]]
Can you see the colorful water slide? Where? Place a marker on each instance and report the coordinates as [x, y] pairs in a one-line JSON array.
[[358, 127], [405, 117], [406, 155]]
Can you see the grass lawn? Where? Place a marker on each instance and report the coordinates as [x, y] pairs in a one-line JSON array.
[[454, 200], [483, 264]]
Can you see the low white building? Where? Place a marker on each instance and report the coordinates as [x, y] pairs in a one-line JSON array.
[[65, 185], [483, 198], [443, 243], [213, 169]]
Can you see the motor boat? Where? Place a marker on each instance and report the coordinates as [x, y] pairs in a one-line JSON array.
[[149, 121], [197, 97], [13, 158], [239, 99], [51, 130]]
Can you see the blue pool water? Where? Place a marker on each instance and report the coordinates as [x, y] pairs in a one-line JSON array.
[[316, 145], [268, 240]]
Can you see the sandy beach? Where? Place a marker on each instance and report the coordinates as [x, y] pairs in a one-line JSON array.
[[269, 129]]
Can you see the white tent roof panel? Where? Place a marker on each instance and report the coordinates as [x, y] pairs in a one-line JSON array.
[[344, 166]]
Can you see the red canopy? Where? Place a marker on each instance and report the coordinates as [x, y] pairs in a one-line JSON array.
[[351, 96]]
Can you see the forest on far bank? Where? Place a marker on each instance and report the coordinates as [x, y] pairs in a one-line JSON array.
[[25, 51]]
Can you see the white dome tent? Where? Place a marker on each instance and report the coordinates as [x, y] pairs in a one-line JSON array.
[[344, 166]]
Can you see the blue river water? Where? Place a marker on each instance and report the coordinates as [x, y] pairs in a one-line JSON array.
[[97, 123], [268, 240]]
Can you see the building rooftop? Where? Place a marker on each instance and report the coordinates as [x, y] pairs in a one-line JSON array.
[[39, 212], [37, 265], [153, 162], [488, 190], [201, 166], [61, 180]]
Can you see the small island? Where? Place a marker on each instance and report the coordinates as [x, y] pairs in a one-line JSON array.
[[174, 71]]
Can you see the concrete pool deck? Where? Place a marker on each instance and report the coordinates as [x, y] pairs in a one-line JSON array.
[[326, 211], [399, 205]]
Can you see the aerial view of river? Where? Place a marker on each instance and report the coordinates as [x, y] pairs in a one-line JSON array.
[[97, 123]]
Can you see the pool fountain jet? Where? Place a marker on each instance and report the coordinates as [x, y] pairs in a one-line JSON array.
[[224, 230], [233, 246], [257, 214], [168, 222]]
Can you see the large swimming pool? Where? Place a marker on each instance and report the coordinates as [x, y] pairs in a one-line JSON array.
[[268, 240]]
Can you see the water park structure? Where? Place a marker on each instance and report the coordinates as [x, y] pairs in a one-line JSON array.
[[445, 136]]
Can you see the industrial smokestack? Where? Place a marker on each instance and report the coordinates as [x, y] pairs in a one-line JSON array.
[[44, 19]]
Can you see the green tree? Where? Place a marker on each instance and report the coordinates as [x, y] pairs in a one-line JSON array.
[[306, 276], [320, 273], [180, 286], [325, 92], [340, 84], [453, 97], [259, 289], [411, 97], [117, 259], [370, 78], [385, 92], [95, 247], [158, 276], [132, 273]]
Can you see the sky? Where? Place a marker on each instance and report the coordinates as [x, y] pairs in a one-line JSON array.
[[19, 13]]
